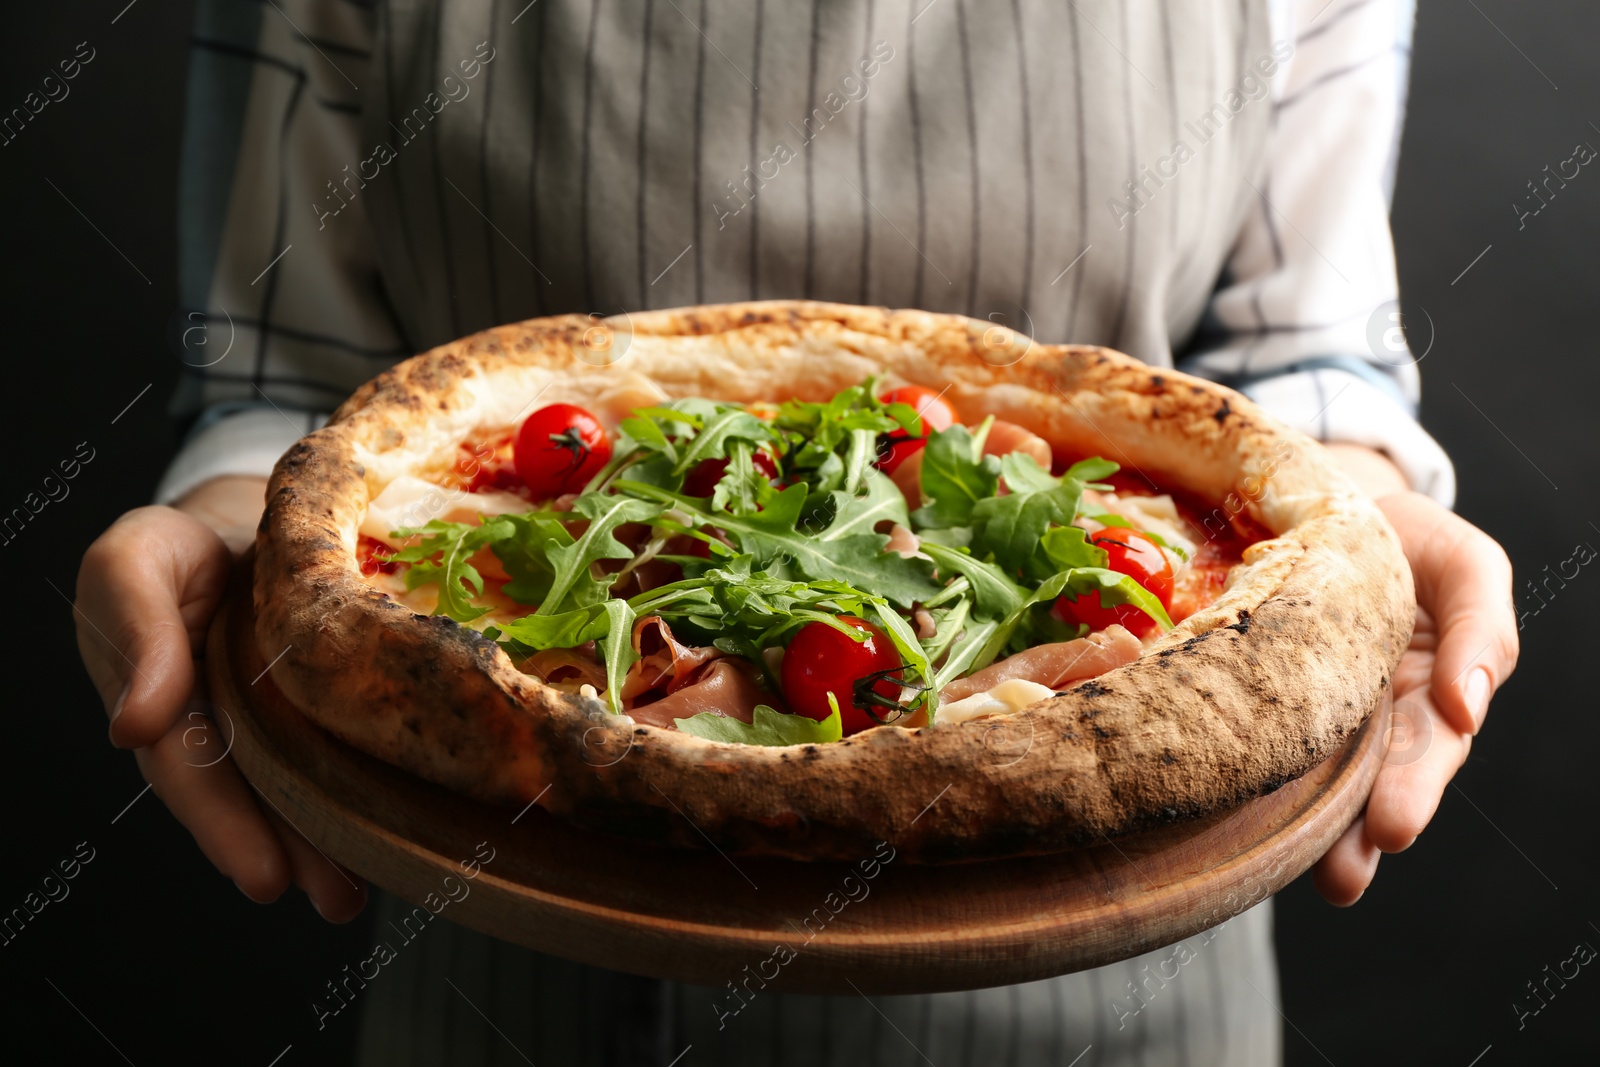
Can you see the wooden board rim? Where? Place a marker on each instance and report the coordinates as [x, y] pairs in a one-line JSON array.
[[976, 929]]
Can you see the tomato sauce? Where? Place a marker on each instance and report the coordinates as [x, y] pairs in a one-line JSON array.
[[487, 465], [374, 556], [1220, 534]]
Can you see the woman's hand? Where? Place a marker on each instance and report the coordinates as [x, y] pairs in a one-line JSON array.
[[1464, 647], [147, 590]]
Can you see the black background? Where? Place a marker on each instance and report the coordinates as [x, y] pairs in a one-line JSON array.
[[171, 964]]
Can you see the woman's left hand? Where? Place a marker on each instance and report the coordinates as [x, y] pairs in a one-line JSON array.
[[1464, 647]]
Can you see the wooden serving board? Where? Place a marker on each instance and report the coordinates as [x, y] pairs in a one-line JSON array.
[[701, 916]]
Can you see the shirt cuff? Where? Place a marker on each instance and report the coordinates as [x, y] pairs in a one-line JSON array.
[[245, 441], [1332, 405]]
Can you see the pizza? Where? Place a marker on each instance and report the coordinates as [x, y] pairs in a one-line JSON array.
[[796, 578]]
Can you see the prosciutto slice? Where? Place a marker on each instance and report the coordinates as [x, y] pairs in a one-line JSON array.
[[566, 665], [664, 663], [724, 686], [1054, 665]]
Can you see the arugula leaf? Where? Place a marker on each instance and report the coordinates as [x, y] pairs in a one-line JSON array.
[[906, 415], [974, 637], [863, 449], [675, 437], [1116, 588], [648, 433], [818, 429], [1113, 586], [956, 475], [567, 629], [861, 561], [947, 624], [617, 649], [858, 560], [950, 537], [743, 488], [609, 623], [751, 610], [453, 543], [723, 423], [570, 563], [859, 513], [1068, 547], [911, 654], [993, 592], [771, 727], [523, 555], [1024, 475], [1092, 470], [1012, 526]]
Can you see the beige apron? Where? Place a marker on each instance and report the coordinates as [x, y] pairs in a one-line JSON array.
[[1071, 169]]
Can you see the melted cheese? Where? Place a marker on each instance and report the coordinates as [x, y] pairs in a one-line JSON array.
[[1007, 698], [1157, 515], [409, 501]]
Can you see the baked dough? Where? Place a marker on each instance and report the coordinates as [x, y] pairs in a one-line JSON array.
[[1239, 698]]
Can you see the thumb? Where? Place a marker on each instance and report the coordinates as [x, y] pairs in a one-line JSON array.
[[147, 590]]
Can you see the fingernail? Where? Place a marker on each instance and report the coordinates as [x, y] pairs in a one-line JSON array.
[[116, 709], [1477, 696]]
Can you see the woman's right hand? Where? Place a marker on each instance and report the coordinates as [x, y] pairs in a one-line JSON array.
[[147, 590]]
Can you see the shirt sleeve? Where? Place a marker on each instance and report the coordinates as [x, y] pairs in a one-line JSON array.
[[1306, 319], [284, 312]]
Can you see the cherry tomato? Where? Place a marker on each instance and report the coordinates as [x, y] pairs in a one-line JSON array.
[[936, 414], [702, 481], [894, 451], [1127, 552], [558, 449], [820, 660]]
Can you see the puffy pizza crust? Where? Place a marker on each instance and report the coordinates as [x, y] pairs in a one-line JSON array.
[[1239, 698]]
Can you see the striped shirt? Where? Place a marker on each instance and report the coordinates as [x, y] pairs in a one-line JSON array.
[[1200, 183]]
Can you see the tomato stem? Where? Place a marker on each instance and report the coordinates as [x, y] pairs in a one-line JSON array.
[[866, 697]]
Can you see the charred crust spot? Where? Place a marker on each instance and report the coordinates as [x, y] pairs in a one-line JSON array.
[[811, 752], [1243, 625], [1093, 688], [641, 731], [1101, 732], [1167, 757], [1223, 411]]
